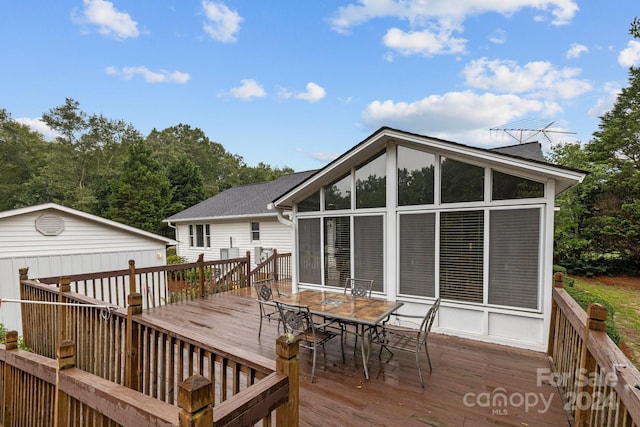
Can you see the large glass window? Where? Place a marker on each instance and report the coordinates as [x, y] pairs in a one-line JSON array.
[[310, 204], [371, 184], [514, 241], [461, 255], [505, 187], [338, 195], [309, 250], [337, 250], [461, 182], [415, 177], [368, 250], [417, 254]]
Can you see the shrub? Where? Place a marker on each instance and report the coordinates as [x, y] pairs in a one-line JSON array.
[[584, 298]]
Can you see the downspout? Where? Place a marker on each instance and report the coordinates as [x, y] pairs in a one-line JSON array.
[[281, 219]]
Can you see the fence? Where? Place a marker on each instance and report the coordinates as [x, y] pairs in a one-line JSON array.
[[600, 386], [39, 391], [117, 345]]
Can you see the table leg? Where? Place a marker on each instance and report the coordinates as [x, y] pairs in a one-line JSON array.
[[365, 349]]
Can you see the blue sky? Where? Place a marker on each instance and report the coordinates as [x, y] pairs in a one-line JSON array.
[[298, 82]]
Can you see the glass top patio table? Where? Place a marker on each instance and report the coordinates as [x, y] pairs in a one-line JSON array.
[[367, 312]]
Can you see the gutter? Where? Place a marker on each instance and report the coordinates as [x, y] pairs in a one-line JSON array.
[[280, 215]]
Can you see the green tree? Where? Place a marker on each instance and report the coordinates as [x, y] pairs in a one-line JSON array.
[[219, 168], [22, 156], [142, 193], [186, 182]]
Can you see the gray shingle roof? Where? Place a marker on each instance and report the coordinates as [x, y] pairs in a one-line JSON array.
[[527, 150], [245, 200]]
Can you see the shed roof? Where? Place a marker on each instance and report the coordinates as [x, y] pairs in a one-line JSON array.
[[54, 206]]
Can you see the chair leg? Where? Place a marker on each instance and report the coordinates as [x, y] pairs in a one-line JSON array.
[[313, 366], [260, 328], [419, 370], [426, 350]]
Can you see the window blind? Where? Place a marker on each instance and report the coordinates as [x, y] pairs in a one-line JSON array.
[[309, 250], [514, 258], [461, 255], [368, 251], [417, 254]]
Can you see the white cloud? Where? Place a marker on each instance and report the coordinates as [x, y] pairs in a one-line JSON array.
[[605, 103], [222, 23], [537, 79], [431, 23], [576, 50], [419, 12], [499, 36], [39, 126], [423, 42], [630, 56], [162, 76], [313, 93], [247, 90], [459, 116], [110, 22]]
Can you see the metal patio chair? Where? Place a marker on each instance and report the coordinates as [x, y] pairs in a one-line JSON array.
[[408, 339], [357, 288], [297, 320], [265, 292]]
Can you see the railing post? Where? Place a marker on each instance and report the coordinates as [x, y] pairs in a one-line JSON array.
[[132, 276], [201, 274], [66, 359], [558, 282], [596, 321], [288, 363], [132, 368], [275, 264], [24, 275], [248, 272], [64, 286], [11, 343], [195, 399]]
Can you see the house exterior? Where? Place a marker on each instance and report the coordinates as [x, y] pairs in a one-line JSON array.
[[235, 221], [427, 218], [51, 240]]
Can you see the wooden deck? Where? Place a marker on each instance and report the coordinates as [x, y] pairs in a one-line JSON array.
[[472, 384]]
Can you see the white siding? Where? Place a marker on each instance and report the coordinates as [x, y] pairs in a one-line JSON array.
[[84, 246], [19, 237], [273, 234]]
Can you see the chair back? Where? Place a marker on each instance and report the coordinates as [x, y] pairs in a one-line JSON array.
[[264, 291], [358, 287], [296, 319], [427, 322]]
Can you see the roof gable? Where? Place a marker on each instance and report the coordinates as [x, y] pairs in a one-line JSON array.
[[526, 157], [47, 207]]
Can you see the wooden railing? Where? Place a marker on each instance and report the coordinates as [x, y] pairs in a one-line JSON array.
[[119, 346], [276, 267], [39, 391], [161, 285], [599, 384]]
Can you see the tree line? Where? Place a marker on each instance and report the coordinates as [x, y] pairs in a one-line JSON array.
[[598, 225], [106, 167]]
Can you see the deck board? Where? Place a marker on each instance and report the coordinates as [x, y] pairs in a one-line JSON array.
[[341, 396]]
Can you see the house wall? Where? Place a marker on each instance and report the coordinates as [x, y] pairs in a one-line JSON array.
[[237, 234], [84, 246], [520, 327]]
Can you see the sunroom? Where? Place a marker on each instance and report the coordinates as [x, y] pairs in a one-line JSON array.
[[427, 218]]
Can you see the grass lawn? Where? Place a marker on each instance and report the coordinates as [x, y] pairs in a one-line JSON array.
[[623, 293]]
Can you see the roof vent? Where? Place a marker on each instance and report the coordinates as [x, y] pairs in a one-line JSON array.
[[49, 224]]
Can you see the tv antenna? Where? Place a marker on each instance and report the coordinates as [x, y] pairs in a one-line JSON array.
[[526, 130]]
